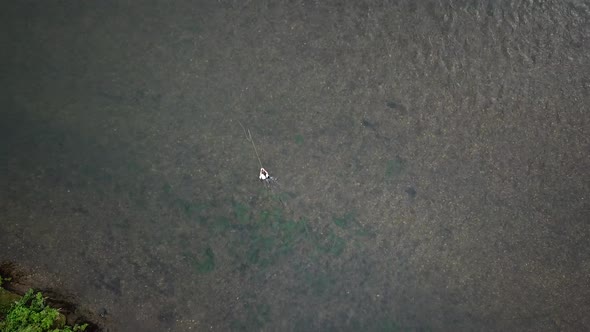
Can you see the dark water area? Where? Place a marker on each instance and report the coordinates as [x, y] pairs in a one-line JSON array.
[[432, 161]]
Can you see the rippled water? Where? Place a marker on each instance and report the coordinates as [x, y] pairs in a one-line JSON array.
[[432, 160]]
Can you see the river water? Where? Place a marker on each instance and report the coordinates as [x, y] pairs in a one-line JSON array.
[[432, 161]]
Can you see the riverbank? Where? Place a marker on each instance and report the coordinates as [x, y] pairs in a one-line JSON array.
[[27, 306]]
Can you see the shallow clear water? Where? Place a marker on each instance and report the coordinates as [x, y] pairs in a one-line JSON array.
[[432, 162]]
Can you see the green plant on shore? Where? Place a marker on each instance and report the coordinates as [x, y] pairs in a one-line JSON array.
[[2, 280], [31, 314]]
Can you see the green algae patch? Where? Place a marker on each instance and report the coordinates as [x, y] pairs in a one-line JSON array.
[[344, 221], [395, 167], [203, 264], [241, 212], [299, 139], [332, 244]]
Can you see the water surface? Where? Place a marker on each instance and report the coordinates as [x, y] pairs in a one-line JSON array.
[[432, 160]]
